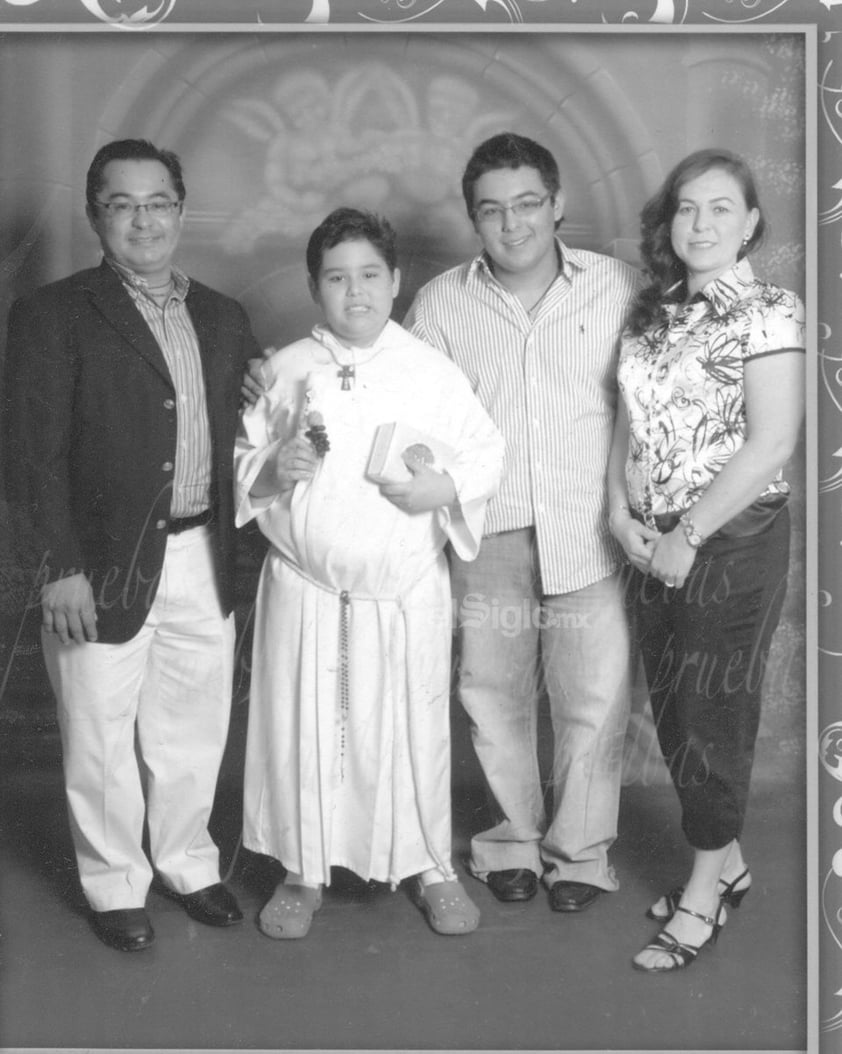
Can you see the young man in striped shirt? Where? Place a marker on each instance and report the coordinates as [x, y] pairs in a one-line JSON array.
[[535, 324]]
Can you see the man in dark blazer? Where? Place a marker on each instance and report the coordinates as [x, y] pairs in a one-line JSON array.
[[121, 400]]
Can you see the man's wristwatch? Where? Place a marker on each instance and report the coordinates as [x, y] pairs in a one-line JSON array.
[[694, 539]]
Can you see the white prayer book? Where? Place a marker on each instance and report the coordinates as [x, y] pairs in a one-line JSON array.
[[394, 440]]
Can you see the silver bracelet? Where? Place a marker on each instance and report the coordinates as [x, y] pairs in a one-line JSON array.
[[694, 539]]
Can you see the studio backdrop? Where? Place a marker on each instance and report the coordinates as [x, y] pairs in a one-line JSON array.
[[276, 129]]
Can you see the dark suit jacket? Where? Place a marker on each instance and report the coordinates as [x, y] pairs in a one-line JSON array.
[[90, 437]]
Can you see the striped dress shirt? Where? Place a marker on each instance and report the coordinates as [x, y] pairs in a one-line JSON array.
[[549, 383], [173, 330]]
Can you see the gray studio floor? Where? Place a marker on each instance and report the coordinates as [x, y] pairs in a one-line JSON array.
[[371, 974]]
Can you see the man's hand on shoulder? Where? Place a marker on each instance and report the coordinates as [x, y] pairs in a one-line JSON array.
[[68, 610], [254, 381]]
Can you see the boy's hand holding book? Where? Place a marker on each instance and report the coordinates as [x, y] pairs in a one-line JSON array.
[[411, 468], [424, 491]]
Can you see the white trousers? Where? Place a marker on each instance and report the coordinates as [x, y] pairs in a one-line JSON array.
[[143, 728]]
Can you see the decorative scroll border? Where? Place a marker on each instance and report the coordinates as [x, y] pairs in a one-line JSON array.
[[822, 24]]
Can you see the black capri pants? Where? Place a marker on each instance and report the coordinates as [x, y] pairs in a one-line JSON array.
[[705, 648]]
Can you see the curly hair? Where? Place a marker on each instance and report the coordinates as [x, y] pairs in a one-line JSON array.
[[665, 272], [347, 225]]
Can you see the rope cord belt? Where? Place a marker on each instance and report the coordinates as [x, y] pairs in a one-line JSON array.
[[344, 648]]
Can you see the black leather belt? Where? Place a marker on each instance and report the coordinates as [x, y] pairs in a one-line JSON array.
[[185, 523], [664, 521]]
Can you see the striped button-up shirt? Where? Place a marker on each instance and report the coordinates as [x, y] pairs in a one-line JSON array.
[[548, 381], [173, 330]]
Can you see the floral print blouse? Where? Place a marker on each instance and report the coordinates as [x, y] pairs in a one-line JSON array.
[[682, 383]]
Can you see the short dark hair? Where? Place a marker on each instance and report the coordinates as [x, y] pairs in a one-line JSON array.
[[509, 150], [348, 225], [131, 150], [665, 272]]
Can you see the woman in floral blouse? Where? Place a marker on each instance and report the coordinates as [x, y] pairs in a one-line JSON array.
[[711, 377]]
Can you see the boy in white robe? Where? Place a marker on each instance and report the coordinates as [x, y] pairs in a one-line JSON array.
[[348, 750]]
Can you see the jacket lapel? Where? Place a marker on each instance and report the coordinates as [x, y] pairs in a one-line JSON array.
[[203, 314], [109, 297]]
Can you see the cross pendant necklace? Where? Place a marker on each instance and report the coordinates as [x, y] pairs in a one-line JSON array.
[[346, 373]]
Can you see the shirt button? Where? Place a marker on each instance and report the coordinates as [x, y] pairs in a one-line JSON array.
[[161, 524], [169, 404], [167, 466]]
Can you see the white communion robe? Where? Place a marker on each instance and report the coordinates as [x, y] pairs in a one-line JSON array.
[[348, 747]]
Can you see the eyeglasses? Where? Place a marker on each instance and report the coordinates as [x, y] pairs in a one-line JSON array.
[[122, 210], [496, 213]]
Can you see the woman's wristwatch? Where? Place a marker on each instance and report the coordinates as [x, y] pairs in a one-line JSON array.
[[694, 539]]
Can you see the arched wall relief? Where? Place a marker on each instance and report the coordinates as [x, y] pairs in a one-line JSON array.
[[274, 135], [276, 129]]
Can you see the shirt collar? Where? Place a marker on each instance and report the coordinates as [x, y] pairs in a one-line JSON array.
[[482, 264], [729, 288], [138, 285], [328, 339]]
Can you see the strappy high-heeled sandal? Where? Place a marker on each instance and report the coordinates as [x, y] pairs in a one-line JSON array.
[[670, 900], [732, 896], [729, 895], [681, 955]]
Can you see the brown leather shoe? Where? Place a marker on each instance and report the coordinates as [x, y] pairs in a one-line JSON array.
[[213, 905], [127, 929], [572, 896], [513, 884]]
